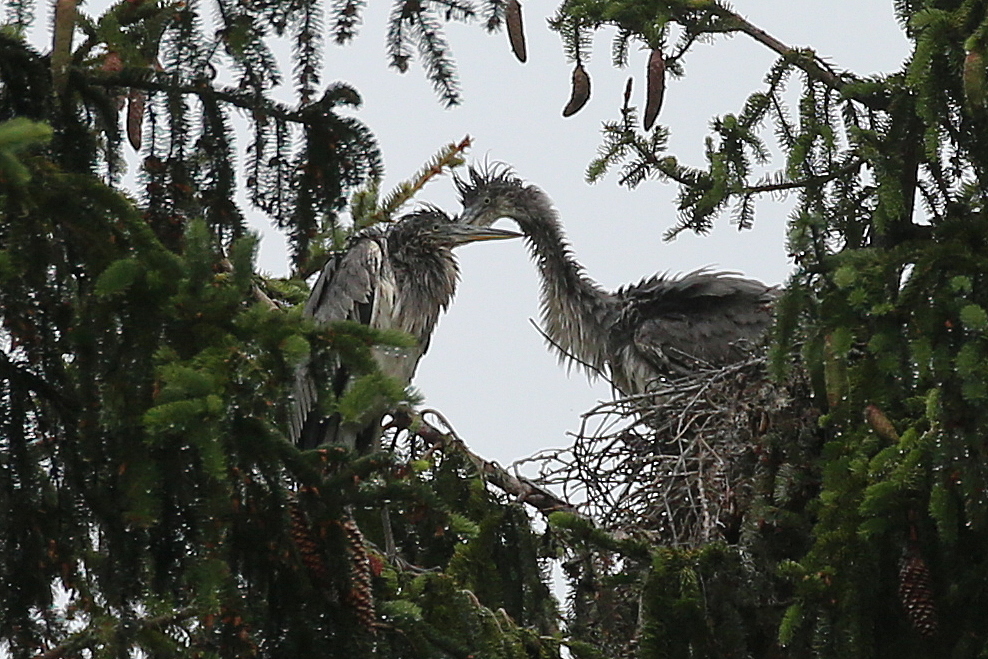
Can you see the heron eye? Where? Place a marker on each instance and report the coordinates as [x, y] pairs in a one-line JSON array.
[[487, 200]]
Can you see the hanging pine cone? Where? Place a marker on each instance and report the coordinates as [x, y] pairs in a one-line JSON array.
[[655, 88], [136, 100], [516, 29], [580, 91], [361, 595], [916, 592], [305, 542]]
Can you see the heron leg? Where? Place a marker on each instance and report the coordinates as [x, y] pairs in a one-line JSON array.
[[390, 548]]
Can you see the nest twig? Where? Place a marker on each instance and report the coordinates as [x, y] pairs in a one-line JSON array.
[[675, 463]]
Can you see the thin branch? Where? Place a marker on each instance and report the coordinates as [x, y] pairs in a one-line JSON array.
[[450, 157], [524, 489], [88, 638], [801, 58], [20, 372], [151, 81], [809, 182]]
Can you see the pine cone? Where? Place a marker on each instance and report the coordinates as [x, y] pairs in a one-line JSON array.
[[305, 542], [916, 592], [880, 424], [516, 29], [136, 100], [655, 89], [361, 595], [580, 91], [974, 78]]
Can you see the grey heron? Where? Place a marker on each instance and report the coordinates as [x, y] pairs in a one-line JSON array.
[[658, 328], [397, 277]]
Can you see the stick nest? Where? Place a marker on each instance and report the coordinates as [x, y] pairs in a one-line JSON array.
[[678, 464]]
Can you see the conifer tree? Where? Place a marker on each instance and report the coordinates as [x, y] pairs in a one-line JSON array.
[[149, 500], [150, 503], [864, 538]]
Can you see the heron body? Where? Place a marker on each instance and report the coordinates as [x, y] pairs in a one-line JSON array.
[[659, 328], [399, 277]]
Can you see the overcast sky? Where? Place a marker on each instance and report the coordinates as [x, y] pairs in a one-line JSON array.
[[487, 369]]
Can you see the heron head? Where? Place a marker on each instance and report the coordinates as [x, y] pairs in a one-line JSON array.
[[433, 225], [488, 194]]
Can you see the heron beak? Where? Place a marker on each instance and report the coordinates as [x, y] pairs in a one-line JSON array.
[[463, 233]]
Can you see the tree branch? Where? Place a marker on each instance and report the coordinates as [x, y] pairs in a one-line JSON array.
[[152, 81], [21, 373], [89, 638], [810, 181], [524, 489], [803, 58]]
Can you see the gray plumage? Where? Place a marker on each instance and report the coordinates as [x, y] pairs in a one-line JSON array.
[[661, 327], [399, 277]]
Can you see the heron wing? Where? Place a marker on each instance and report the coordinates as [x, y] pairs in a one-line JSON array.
[[701, 319], [353, 285], [349, 284]]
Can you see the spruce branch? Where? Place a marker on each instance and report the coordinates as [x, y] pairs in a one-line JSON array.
[[419, 21], [563, 514], [808, 182], [89, 638], [492, 14], [522, 488], [805, 59], [20, 373], [366, 211], [448, 157], [346, 16], [259, 106]]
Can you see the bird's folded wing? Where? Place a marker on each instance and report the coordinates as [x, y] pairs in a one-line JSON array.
[[702, 319], [347, 289]]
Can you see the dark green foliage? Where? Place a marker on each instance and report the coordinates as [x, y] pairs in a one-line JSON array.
[[419, 23], [147, 474], [444, 515], [145, 482], [887, 306], [149, 501]]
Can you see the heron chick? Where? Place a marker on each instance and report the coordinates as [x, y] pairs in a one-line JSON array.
[[398, 277], [658, 328]]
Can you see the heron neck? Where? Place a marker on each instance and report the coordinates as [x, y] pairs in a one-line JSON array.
[[426, 284], [575, 309]]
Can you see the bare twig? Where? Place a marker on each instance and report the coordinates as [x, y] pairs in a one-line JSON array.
[[150, 80], [808, 182], [669, 463]]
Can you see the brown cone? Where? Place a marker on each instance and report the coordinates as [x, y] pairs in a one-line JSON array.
[[916, 592], [656, 86], [880, 424], [135, 116], [305, 542], [516, 29], [581, 91], [361, 595]]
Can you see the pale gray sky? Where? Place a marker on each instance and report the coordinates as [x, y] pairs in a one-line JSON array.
[[487, 369]]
